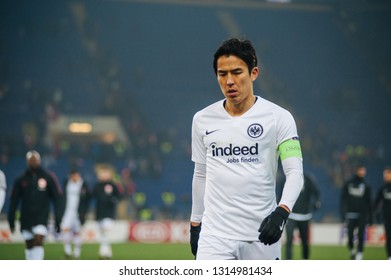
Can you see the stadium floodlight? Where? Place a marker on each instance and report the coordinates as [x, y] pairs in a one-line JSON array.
[[80, 127]]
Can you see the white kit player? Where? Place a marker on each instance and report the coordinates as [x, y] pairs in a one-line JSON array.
[[3, 189], [76, 196], [236, 145]]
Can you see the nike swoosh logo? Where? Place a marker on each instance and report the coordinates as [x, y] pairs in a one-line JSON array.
[[209, 132]]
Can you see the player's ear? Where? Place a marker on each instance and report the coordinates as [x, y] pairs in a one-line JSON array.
[[254, 73]]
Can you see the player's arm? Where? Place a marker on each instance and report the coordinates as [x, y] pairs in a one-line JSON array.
[[198, 183], [14, 203], [343, 202], [378, 199], [369, 206], [57, 198], [3, 188], [198, 191], [2, 197], [292, 164], [316, 193], [83, 202], [117, 194]]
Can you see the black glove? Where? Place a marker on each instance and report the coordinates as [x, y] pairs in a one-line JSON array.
[[317, 205], [57, 227], [194, 236], [12, 228], [272, 226]]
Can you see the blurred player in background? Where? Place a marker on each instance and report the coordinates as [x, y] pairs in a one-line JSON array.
[[34, 191], [76, 202], [236, 144], [356, 210], [106, 195], [383, 204], [301, 215], [3, 189]]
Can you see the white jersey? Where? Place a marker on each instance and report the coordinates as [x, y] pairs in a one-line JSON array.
[[3, 188], [73, 190], [241, 157]]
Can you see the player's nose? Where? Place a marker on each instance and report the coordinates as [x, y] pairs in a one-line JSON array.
[[230, 80]]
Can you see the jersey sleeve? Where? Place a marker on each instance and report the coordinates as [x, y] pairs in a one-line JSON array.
[[14, 203], [198, 192], [197, 146], [293, 170], [287, 137], [291, 158], [3, 187], [286, 127]]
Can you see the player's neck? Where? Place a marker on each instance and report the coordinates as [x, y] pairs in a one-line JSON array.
[[238, 109]]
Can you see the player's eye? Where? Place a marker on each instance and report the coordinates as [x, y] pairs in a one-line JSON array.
[[222, 74]]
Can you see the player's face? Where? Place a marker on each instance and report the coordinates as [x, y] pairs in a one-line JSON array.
[[33, 162], [361, 172], [235, 81], [387, 176], [75, 176]]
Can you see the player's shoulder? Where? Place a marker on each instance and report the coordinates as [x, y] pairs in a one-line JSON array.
[[209, 110], [270, 105], [49, 174], [24, 175], [281, 115], [211, 107], [2, 177]]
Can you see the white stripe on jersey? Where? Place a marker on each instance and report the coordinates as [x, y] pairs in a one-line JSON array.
[[241, 154]]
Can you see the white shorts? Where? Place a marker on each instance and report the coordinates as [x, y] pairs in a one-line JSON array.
[[217, 248], [38, 229], [106, 224], [71, 222]]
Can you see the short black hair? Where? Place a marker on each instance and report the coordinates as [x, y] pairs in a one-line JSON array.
[[74, 170], [359, 165], [241, 48]]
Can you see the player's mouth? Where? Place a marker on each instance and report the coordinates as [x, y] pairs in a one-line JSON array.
[[232, 93]]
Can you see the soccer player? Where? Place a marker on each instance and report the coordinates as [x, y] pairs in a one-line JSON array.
[[301, 215], [3, 189], [236, 145], [35, 190], [76, 196], [356, 210], [383, 202], [106, 195]]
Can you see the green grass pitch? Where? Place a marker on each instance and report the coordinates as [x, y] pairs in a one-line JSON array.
[[165, 251]]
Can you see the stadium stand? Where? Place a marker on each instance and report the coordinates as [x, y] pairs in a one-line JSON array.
[[151, 65]]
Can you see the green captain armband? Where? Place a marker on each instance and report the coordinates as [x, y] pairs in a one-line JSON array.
[[290, 148]]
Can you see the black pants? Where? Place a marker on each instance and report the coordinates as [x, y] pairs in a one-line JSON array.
[[352, 226], [303, 227]]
